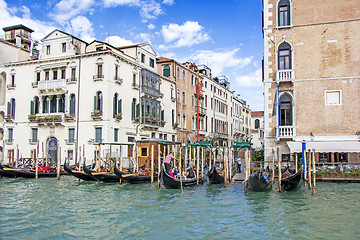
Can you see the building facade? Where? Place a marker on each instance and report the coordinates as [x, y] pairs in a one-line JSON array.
[[257, 129], [311, 78]]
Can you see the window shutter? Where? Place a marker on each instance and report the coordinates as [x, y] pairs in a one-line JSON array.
[[32, 108], [8, 108], [95, 103], [119, 106], [114, 106], [137, 110], [162, 115]]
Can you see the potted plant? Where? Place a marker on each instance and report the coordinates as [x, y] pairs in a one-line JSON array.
[[137, 119], [119, 116], [153, 120], [162, 123], [175, 125]]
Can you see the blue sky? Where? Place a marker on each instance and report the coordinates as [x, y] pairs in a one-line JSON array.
[[223, 34]]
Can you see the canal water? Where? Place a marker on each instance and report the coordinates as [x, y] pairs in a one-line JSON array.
[[72, 209]]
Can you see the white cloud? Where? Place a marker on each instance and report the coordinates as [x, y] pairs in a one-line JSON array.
[[117, 41], [8, 18], [168, 2], [151, 26], [68, 9], [220, 59], [186, 35], [114, 3], [145, 37], [253, 79], [81, 26], [149, 10]]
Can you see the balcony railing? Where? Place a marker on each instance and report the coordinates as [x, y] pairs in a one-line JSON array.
[[71, 80], [286, 132], [52, 84], [70, 141], [202, 111], [11, 86], [98, 77], [118, 80], [9, 141], [32, 141], [135, 86], [285, 75], [150, 90]]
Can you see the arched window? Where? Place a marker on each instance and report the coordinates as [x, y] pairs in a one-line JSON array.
[[192, 80], [257, 123], [45, 104], [61, 104], [172, 117], [34, 106], [285, 110], [11, 108], [72, 105], [166, 71], [133, 109], [53, 104], [284, 13], [183, 74], [284, 56], [98, 99], [178, 72], [184, 121]]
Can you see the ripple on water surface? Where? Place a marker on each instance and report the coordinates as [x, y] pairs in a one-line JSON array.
[[72, 209]]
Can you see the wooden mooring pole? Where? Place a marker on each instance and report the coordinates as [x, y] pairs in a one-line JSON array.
[[314, 171], [181, 185], [279, 163], [246, 170], [197, 165], [309, 169], [159, 165], [152, 163]]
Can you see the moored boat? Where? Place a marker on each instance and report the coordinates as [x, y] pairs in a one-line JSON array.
[[290, 181], [215, 177], [25, 173], [134, 177], [76, 173], [258, 182], [101, 176], [170, 182]]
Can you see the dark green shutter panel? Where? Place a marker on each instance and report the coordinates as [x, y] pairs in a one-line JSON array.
[[32, 108], [8, 108], [119, 106], [114, 106], [95, 103], [162, 115], [137, 110], [101, 104]]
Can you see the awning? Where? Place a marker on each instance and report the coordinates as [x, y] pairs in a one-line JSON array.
[[325, 147]]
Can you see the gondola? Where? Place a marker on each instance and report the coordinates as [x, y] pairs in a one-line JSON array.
[[24, 173], [170, 182], [76, 173], [134, 177], [290, 181], [215, 177], [4, 173], [258, 183], [101, 176]]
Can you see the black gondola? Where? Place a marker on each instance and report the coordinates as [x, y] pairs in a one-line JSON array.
[[258, 183], [4, 173], [31, 173], [215, 177], [76, 173], [101, 176], [134, 177], [290, 181], [170, 182]]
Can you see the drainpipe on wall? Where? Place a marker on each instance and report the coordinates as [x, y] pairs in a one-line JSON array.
[[77, 115]]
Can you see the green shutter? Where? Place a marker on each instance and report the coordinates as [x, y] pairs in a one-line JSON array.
[[101, 104], [95, 103], [8, 108], [162, 115], [120, 106], [32, 108], [114, 106], [137, 110]]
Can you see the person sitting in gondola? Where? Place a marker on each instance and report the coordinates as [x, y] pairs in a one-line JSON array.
[[176, 171], [190, 173], [172, 173]]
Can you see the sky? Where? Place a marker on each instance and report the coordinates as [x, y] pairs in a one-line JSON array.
[[225, 35]]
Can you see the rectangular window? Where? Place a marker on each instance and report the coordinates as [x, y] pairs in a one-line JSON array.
[[206, 101], [323, 157], [144, 152], [99, 70], [205, 84], [71, 135], [153, 135], [143, 58], [116, 72], [165, 136], [73, 74], [333, 97], [98, 134], [10, 134], [47, 75], [48, 50], [63, 73], [70, 154], [63, 47], [37, 76], [55, 74], [116, 134], [173, 138], [284, 16], [152, 63], [99, 49], [34, 134]]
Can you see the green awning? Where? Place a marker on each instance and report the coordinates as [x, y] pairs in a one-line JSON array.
[[242, 145]]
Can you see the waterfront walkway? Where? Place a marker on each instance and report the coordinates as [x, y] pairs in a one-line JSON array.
[[238, 178]]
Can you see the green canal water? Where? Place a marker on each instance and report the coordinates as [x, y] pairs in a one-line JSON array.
[[72, 209]]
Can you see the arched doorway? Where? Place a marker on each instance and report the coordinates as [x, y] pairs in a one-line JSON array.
[[52, 151]]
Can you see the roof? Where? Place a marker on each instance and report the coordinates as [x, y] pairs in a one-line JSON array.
[[19, 26], [164, 59], [257, 114], [64, 33]]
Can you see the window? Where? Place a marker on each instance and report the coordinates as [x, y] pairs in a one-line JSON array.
[[285, 157], [285, 110], [166, 71], [116, 72], [206, 101], [257, 123], [70, 154], [323, 157], [152, 63], [63, 47], [184, 121], [98, 134], [61, 104], [11, 108], [333, 97], [72, 105], [73, 74], [284, 13], [192, 80], [99, 71], [205, 84], [63, 73], [284, 56], [183, 73], [153, 135], [98, 101], [55, 74], [99, 48], [48, 50], [45, 104], [38, 77], [172, 117], [34, 106], [183, 93], [71, 135], [116, 134], [10, 135], [34, 134], [144, 152], [165, 136], [178, 72], [116, 106], [47, 75], [143, 58], [173, 138]]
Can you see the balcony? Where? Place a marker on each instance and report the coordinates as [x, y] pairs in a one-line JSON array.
[[287, 75], [150, 91], [135, 86], [98, 77], [285, 132], [150, 123], [9, 118], [9, 141], [202, 111], [69, 118], [11, 86], [34, 84], [70, 141], [96, 115], [71, 80], [118, 80], [239, 132], [48, 119], [173, 99], [52, 85], [33, 141]]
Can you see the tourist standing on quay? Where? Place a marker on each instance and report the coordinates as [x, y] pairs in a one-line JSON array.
[[167, 162]]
